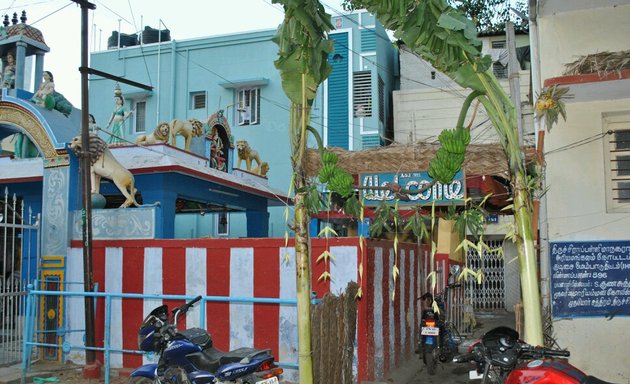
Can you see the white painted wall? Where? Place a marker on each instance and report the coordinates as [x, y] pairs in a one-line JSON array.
[[564, 36], [576, 176], [420, 114], [425, 106]]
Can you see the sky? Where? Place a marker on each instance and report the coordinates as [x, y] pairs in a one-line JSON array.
[[60, 23]]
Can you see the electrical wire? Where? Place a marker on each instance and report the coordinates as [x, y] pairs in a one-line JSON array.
[[7, 9], [50, 14], [606, 224], [579, 143], [144, 57]]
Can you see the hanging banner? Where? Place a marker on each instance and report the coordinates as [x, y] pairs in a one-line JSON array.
[[441, 194]]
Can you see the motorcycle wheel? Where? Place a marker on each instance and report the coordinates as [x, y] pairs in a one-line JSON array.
[[140, 380], [428, 356]]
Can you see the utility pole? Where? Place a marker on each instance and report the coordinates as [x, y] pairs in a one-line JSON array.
[[515, 84], [92, 370], [88, 284]]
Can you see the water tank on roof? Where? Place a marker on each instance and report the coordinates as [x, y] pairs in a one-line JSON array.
[[152, 35], [126, 40]]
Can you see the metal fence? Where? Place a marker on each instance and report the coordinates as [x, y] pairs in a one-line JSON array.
[[35, 338], [20, 255]]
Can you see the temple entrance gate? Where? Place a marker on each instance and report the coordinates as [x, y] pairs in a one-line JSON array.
[[19, 234]]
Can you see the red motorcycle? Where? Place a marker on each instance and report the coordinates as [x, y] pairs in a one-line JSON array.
[[501, 358]]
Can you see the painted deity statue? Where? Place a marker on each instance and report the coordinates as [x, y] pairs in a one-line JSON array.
[[8, 72], [117, 120], [46, 88], [92, 126], [216, 150]]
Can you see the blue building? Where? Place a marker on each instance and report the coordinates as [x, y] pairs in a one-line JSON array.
[[234, 75]]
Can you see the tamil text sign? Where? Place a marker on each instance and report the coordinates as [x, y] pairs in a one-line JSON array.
[[439, 193]]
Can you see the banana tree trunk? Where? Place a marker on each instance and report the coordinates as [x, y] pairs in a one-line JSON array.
[[299, 117], [501, 112], [303, 286]]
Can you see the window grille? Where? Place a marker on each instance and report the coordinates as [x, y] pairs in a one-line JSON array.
[[381, 100], [362, 94], [499, 44], [198, 100], [248, 106], [620, 166], [500, 70], [140, 116]]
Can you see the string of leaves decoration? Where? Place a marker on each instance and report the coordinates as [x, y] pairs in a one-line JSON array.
[[550, 104]]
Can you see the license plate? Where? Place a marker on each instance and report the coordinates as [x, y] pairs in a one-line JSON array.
[[271, 380], [430, 331], [474, 375]]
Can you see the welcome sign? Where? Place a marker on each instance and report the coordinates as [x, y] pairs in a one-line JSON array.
[[452, 193]]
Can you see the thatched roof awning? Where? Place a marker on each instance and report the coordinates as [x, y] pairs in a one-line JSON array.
[[481, 159]]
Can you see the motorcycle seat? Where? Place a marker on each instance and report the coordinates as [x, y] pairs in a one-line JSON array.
[[210, 359], [232, 356]]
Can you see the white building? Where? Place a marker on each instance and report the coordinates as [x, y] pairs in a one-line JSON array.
[[588, 176]]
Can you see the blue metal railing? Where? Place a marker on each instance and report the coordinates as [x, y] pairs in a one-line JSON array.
[[31, 306]]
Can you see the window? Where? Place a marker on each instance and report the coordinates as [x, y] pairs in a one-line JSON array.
[[362, 93], [222, 223], [248, 106], [617, 149], [140, 117], [197, 100], [499, 44], [381, 100], [500, 70]]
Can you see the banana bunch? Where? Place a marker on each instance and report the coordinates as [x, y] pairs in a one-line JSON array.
[[329, 165], [338, 179], [455, 140], [450, 157], [341, 182]]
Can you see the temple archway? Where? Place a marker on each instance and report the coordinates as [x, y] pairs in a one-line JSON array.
[[18, 119]]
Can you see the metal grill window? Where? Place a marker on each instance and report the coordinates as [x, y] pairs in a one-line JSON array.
[[500, 70], [362, 94], [141, 114], [248, 106], [198, 100], [381, 100], [620, 165]]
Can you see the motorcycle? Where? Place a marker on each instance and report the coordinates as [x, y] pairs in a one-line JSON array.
[[188, 356], [501, 358], [439, 339]]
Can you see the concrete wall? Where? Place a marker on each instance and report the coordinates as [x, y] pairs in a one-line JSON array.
[[425, 106], [421, 114], [576, 174], [387, 321]]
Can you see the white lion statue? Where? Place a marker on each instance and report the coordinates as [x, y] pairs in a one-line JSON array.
[[104, 164]]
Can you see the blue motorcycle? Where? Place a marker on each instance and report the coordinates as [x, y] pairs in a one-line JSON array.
[[188, 356], [439, 338]]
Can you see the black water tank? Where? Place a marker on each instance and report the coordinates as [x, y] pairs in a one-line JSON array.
[[152, 35], [125, 40]]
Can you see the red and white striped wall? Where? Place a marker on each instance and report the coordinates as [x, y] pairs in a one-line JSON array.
[[250, 268]]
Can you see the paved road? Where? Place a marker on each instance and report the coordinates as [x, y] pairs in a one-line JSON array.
[[414, 371], [447, 373]]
